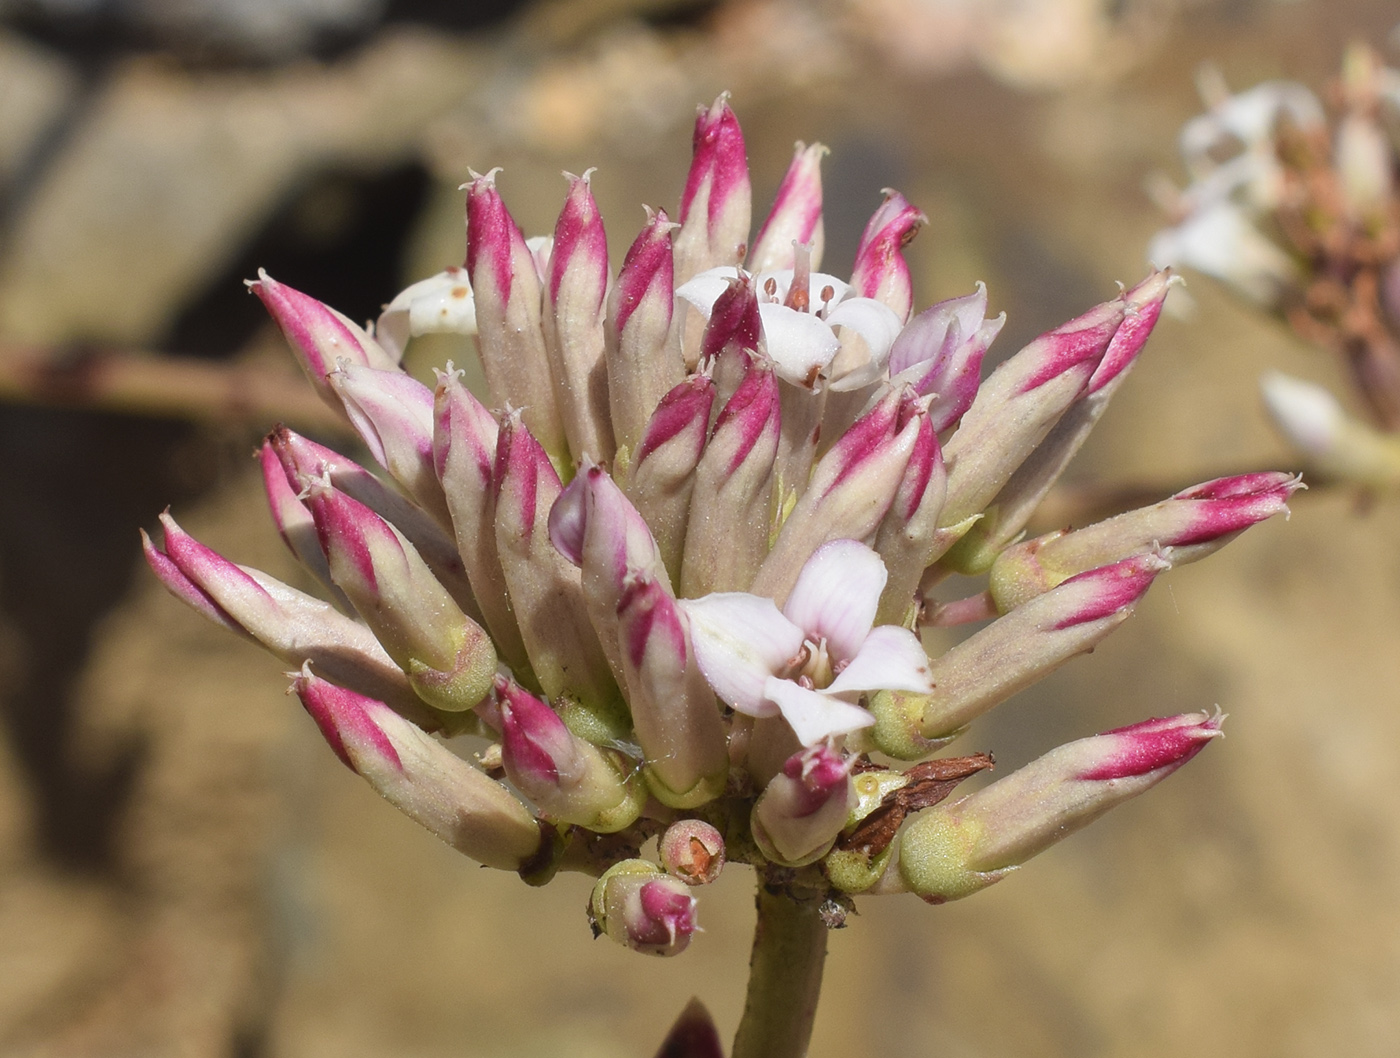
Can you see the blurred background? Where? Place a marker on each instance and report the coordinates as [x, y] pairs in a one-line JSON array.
[[185, 870]]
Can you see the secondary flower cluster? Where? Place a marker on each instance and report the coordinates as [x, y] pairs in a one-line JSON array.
[[1301, 216], [674, 569]]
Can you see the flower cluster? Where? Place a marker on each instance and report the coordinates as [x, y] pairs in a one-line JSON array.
[[1299, 213], [674, 567]]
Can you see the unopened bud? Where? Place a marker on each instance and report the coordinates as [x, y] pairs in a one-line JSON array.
[[693, 851], [639, 906]]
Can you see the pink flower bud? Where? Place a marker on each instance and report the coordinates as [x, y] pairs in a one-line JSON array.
[[295, 627], [1030, 642], [421, 777], [734, 326], [448, 658], [909, 537], [796, 216], [661, 478], [1017, 406], [546, 589], [393, 414], [940, 354], [305, 462], [570, 779], [880, 271], [1023, 492], [693, 851], [641, 908], [319, 336], [715, 207], [802, 810], [510, 333], [294, 522], [850, 491], [730, 508], [464, 455], [643, 364], [593, 525], [1192, 524], [954, 850], [675, 715], [576, 287]]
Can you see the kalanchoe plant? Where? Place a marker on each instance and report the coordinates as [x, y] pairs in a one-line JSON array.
[[1295, 206], [674, 565]]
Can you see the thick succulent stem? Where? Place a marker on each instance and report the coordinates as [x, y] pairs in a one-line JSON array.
[[785, 977]]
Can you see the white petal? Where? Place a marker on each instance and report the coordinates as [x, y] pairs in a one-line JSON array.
[[837, 594], [439, 304], [740, 640], [704, 290], [541, 249], [890, 659], [797, 342], [814, 716], [874, 321]]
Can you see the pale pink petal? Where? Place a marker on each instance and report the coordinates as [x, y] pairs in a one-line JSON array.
[[837, 594], [798, 343], [891, 659], [878, 324], [740, 640], [814, 716]]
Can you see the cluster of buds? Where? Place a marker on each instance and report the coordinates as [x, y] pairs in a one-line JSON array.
[[1295, 206], [674, 565]]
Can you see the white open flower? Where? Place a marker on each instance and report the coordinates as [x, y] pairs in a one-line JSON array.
[[813, 328], [812, 660]]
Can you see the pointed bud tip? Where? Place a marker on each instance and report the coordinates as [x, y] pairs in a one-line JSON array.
[[1152, 745]]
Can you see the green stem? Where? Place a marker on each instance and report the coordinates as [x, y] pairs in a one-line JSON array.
[[785, 978]]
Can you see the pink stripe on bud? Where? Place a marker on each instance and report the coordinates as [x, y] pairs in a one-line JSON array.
[[1026, 645], [421, 777], [1153, 745], [575, 293], [730, 508], [1081, 341], [570, 779], [940, 354], [880, 270], [1143, 306], [546, 590], [293, 626], [907, 538], [749, 416], [735, 324], [536, 747], [642, 362], [319, 336], [1103, 592], [684, 410], [393, 414], [715, 206], [674, 713], [1227, 505], [294, 522], [510, 332], [306, 462], [803, 808], [850, 491], [346, 719], [693, 851], [796, 216]]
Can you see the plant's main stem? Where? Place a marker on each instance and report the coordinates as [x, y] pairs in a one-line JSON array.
[[785, 977]]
